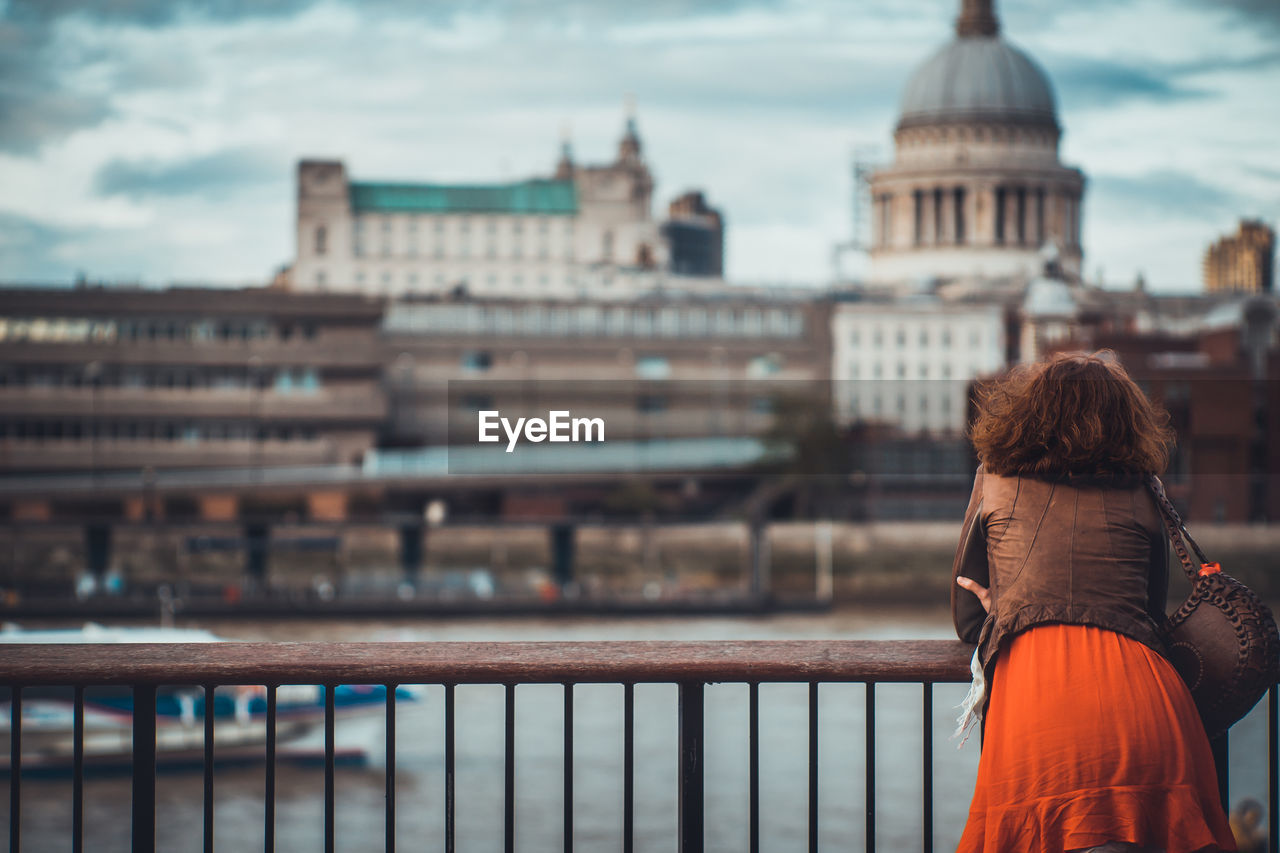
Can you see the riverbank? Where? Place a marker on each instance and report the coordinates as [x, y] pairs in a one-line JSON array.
[[504, 571]]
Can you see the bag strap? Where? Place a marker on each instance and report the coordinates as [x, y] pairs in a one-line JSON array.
[[1178, 531]]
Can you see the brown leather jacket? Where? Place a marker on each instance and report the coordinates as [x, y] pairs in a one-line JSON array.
[[1057, 552]]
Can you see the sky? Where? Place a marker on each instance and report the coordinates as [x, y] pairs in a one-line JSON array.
[[155, 141]]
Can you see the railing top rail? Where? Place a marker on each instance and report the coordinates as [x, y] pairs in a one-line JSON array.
[[484, 663]]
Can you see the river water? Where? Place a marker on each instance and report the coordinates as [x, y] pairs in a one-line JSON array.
[[598, 756]]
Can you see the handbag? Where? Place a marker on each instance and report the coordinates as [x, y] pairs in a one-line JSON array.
[[1222, 640]]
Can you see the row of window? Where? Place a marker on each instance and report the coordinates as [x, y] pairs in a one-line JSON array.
[[26, 430], [463, 252], [924, 337], [597, 321], [389, 281], [281, 380], [877, 405], [647, 404], [646, 366], [540, 224], [900, 370], [96, 330]]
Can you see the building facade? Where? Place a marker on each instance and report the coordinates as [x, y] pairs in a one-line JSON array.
[[583, 230], [976, 188], [100, 380], [909, 365], [691, 366], [1243, 262]]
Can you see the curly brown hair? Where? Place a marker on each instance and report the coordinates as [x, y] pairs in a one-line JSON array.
[[1075, 416]]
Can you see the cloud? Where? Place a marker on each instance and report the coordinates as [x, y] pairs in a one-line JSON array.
[[1264, 13], [29, 250], [1089, 82], [1165, 194], [213, 175], [34, 105]]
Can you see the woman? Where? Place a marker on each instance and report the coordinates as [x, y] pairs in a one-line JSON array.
[[1091, 740]]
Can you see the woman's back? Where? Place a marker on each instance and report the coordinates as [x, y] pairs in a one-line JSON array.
[[1074, 553]]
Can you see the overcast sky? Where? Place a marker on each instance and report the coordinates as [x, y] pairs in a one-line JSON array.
[[155, 140]]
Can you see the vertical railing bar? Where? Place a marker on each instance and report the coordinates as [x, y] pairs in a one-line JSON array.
[[568, 767], [628, 766], [813, 767], [753, 766], [329, 760], [509, 773], [926, 710], [144, 769], [77, 772], [871, 766], [15, 770], [390, 845], [448, 769], [209, 713], [269, 816], [691, 722], [1273, 767]]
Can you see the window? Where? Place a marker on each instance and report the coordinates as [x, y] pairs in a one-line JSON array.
[[322, 239], [764, 365], [653, 367], [606, 246], [651, 403], [477, 361]]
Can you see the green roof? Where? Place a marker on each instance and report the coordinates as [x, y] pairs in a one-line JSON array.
[[535, 196]]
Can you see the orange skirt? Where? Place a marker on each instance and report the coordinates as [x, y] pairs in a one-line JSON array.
[[1091, 737]]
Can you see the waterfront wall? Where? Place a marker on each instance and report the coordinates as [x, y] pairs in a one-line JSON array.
[[870, 562]]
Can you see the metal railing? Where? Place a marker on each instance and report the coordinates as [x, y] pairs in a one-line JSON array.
[[689, 665]]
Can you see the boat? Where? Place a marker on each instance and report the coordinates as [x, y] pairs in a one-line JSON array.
[[239, 712]]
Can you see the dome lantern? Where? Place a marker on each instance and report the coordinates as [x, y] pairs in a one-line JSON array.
[[977, 18]]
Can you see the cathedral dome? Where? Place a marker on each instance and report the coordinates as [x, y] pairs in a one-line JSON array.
[[978, 76]]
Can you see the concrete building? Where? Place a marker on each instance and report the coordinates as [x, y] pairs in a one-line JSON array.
[[976, 188], [1216, 378], [584, 230], [1243, 262], [126, 379], [910, 364], [687, 366], [694, 232]]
